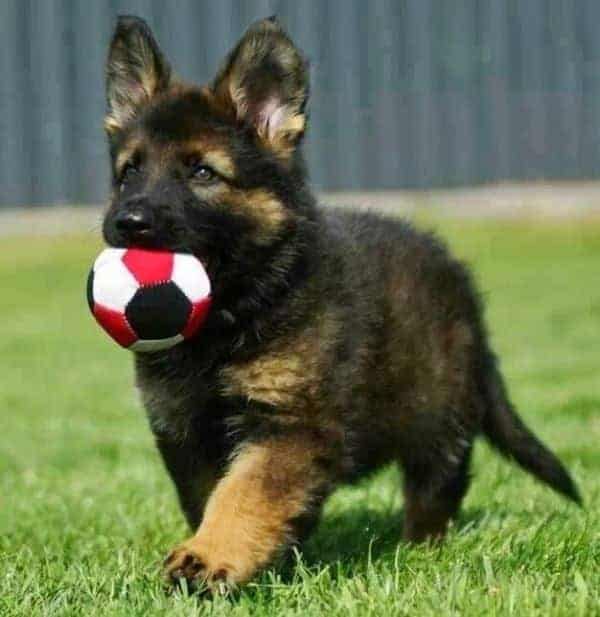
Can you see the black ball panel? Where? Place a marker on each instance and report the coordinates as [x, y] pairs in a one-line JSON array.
[[90, 290], [158, 312]]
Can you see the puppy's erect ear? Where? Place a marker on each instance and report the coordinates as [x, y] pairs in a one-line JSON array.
[[135, 72], [264, 82]]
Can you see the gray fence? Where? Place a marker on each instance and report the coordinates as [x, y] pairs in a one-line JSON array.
[[406, 93]]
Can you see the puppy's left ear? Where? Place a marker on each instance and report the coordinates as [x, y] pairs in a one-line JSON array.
[[264, 82]]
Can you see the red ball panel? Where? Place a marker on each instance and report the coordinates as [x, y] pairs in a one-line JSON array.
[[149, 267], [197, 317], [115, 324]]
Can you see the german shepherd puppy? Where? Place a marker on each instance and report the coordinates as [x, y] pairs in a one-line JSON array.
[[338, 341]]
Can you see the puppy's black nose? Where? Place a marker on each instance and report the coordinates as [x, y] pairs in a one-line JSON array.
[[134, 222]]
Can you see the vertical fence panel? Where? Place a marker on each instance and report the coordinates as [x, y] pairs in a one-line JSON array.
[[425, 135], [589, 149], [460, 59], [410, 93], [495, 124], [15, 182], [343, 54], [47, 96], [387, 150], [562, 92], [87, 170], [529, 111]]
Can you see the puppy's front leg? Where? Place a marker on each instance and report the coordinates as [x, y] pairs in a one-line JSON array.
[[251, 515]]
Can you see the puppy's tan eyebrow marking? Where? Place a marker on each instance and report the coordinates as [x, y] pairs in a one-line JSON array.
[[213, 155], [220, 161]]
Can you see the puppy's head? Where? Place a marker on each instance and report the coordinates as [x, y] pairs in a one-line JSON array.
[[213, 170]]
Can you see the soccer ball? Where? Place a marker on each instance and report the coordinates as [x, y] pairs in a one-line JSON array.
[[148, 300]]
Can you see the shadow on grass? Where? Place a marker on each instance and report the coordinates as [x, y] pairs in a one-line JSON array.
[[348, 541]]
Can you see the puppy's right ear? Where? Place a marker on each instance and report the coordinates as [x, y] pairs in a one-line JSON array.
[[136, 71]]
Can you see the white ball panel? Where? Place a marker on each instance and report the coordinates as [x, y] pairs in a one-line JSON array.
[[109, 254], [114, 285], [156, 345], [190, 276]]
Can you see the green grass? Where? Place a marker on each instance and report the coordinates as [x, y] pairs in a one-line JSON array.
[[87, 512]]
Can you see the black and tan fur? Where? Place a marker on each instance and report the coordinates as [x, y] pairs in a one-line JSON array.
[[337, 342]]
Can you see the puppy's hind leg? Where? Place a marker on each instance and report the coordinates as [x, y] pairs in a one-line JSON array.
[[433, 492]]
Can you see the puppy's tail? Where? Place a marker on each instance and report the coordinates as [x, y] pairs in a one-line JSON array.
[[508, 433]]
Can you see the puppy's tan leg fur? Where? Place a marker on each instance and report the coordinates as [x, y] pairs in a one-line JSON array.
[[249, 517]]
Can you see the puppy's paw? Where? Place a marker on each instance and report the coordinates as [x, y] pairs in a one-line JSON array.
[[186, 563]]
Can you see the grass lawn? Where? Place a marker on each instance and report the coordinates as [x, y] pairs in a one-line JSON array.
[[87, 513]]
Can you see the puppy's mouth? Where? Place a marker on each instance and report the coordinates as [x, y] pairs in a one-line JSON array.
[[150, 243]]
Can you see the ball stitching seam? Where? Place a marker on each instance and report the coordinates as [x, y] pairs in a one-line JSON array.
[[157, 283], [131, 330]]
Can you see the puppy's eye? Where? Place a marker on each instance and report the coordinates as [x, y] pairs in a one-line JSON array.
[[128, 172], [203, 173], [130, 169]]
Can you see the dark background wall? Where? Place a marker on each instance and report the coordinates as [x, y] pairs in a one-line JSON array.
[[406, 93]]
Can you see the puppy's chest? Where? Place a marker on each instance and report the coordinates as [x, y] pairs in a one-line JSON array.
[[287, 375], [277, 380]]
